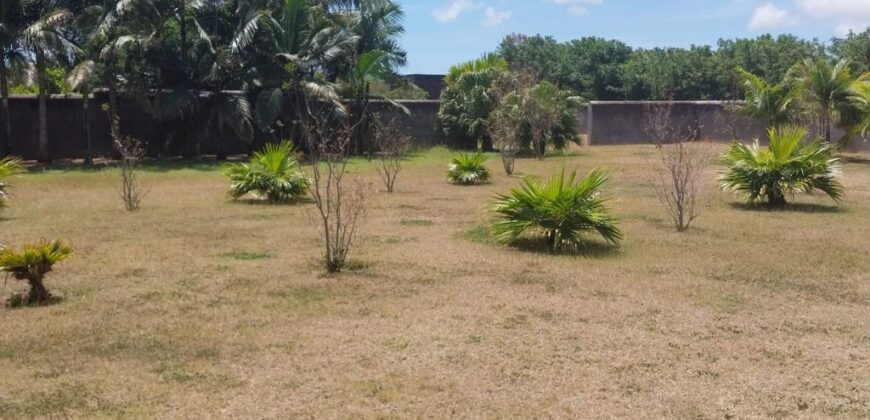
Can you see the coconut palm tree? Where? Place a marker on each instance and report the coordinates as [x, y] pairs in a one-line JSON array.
[[300, 46], [45, 39], [771, 102], [788, 165], [825, 89], [13, 59], [860, 97]]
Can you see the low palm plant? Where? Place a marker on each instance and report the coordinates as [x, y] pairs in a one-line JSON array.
[[8, 166], [32, 263], [272, 174], [788, 165], [562, 209], [468, 169]]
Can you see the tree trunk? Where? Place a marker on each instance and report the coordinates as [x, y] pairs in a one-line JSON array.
[[38, 294], [114, 118], [43, 153], [221, 149], [7, 118], [775, 199], [86, 121]]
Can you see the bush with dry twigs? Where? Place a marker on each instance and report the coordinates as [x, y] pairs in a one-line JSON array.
[[682, 159], [391, 144]]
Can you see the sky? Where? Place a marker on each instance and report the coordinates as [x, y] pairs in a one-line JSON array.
[[440, 33]]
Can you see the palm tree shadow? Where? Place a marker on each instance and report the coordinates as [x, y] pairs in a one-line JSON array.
[[267, 203], [854, 159], [792, 207], [590, 249]]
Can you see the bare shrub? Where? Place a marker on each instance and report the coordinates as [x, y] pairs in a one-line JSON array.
[[392, 144], [339, 207], [507, 119], [132, 153], [682, 159]]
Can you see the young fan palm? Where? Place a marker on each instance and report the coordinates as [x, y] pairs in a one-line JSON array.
[[787, 166], [468, 169], [272, 174], [560, 208], [32, 263], [8, 166], [826, 89]]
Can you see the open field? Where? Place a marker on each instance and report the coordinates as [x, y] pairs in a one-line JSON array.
[[198, 307]]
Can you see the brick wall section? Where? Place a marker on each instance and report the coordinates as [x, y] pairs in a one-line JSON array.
[[612, 123], [67, 134]]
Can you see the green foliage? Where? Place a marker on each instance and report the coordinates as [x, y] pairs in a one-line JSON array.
[[787, 166], [562, 209], [599, 69], [468, 100], [468, 169], [854, 47], [32, 263], [8, 166], [771, 102], [826, 89], [272, 174]]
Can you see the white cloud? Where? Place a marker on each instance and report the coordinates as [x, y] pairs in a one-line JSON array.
[[577, 7], [493, 17], [846, 14], [769, 16], [451, 11], [846, 9]]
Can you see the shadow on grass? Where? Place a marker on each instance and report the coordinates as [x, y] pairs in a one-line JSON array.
[[855, 159], [266, 203], [793, 207], [19, 301], [539, 245]]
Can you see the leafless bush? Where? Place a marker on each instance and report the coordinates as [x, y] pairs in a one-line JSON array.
[[507, 118], [392, 144], [132, 152], [682, 159], [339, 207]]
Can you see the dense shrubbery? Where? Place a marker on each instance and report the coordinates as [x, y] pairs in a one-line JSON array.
[[468, 169], [789, 165], [32, 263], [562, 209], [272, 174]]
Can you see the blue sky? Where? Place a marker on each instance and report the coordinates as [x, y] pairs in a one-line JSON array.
[[443, 32]]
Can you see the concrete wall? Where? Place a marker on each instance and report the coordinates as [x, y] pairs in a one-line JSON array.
[[67, 129], [611, 123]]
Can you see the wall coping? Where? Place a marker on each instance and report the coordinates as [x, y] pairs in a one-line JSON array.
[[719, 102]]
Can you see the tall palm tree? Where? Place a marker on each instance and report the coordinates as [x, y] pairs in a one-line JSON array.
[[826, 88], [46, 41], [860, 97], [13, 59], [772, 102], [299, 47]]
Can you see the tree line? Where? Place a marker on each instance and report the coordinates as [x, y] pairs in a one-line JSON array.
[[201, 68], [601, 69]]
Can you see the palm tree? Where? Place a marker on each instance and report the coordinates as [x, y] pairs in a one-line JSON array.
[[787, 165], [563, 208], [826, 88], [469, 99], [771, 102], [8, 166], [13, 59], [299, 47], [32, 263], [860, 97], [45, 40], [272, 174]]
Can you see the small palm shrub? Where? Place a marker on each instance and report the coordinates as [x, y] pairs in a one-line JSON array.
[[272, 174], [562, 209], [32, 263], [8, 166], [788, 165], [468, 169]]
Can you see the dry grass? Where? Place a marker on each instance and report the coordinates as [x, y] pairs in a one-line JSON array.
[[198, 307]]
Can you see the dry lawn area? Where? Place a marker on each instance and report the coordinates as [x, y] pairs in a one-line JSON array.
[[198, 307]]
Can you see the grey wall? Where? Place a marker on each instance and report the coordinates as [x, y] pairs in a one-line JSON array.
[[67, 132], [612, 123]]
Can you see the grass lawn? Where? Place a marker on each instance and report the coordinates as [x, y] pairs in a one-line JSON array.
[[199, 307]]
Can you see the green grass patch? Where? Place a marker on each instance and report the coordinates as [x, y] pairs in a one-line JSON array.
[[247, 256]]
